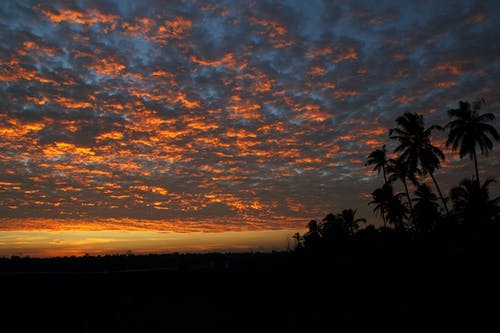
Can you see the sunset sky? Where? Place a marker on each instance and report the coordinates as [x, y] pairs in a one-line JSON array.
[[166, 117]]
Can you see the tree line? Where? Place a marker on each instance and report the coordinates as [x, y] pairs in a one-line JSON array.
[[468, 210]]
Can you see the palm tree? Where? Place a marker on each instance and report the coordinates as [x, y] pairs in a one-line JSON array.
[[379, 158], [381, 198], [397, 212], [416, 148], [332, 227], [472, 204], [397, 169], [426, 210], [350, 220], [469, 129], [389, 206]]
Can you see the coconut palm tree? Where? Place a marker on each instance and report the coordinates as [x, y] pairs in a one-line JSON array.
[[426, 210], [416, 149], [472, 204], [350, 220], [398, 170], [332, 227], [389, 206], [379, 158], [381, 198], [468, 129], [397, 212]]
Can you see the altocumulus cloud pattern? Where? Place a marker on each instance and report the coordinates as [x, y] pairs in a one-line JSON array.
[[222, 115]]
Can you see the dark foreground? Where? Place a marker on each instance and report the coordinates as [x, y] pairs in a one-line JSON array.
[[278, 292]]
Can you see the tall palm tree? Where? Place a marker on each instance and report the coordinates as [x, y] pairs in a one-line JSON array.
[[426, 210], [472, 204], [350, 220], [398, 170], [379, 158], [469, 129], [416, 148]]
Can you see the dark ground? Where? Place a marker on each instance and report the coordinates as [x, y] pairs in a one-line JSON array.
[[276, 292]]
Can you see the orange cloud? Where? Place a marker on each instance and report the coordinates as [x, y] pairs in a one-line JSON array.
[[453, 68], [243, 108], [343, 93], [61, 148], [93, 16], [317, 70], [140, 27], [72, 104], [403, 99], [319, 52], [349, 54], [274, 31], [175, 28], [445, 84], [108, 66], [181, 98], [110, 135], [227, 60]]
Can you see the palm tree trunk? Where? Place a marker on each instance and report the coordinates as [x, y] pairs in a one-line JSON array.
[[440, 194], [475, 166], [385, 176], [383, 217], [408, 196]]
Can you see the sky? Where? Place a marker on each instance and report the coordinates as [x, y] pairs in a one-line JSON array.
[[223, 116]]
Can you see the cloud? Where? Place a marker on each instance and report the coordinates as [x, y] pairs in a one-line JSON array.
[[232, 115]]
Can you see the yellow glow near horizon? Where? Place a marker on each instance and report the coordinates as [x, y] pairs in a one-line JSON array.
[[78, 243]]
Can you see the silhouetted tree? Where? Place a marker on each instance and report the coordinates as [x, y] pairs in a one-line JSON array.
[[381, 198], [472, 204], [379, 158], [333, 228], [469, 129], [389, 206], [426, 210], [350, 220], [298, 241], [397, 212], [416, 148], [312, 237], [398, 170]]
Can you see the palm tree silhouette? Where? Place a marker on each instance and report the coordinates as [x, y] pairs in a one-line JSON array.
[[379, 158], [416, 148], [426, 210], [472, 204], [398, 169], [331, 227], [381, 198], [397, 212], [350, 220], [389, 206], [469, 129]]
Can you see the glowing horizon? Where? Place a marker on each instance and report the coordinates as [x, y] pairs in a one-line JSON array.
[[41, 244], [203, 116]]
